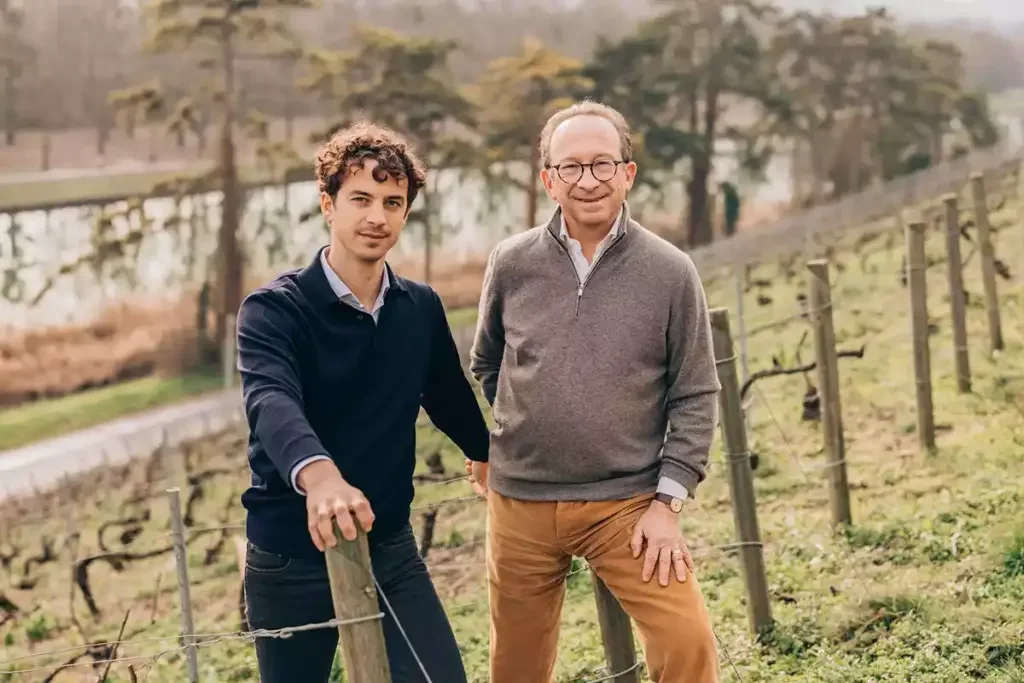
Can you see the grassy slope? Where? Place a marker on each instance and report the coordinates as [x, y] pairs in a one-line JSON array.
[[926, 586], [48, 418]]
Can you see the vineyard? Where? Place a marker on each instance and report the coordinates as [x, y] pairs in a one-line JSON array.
[[925, 584]]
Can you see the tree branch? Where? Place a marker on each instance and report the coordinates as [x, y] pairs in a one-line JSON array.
[[775, 372]]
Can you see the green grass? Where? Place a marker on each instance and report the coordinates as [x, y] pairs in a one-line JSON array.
[[926, 585], [48, 418], [460, 318]]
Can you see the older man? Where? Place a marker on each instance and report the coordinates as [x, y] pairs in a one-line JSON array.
[[593, 348]]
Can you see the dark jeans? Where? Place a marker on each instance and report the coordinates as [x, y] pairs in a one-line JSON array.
[[282, 591]]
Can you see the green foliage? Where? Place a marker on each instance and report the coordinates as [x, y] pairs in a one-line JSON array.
[[39, 630], [404, 83], [513, 99], [677, 79], [878, 617], [399, 81], [138, 105], [516, 94], [1013, 563], [863, 94]]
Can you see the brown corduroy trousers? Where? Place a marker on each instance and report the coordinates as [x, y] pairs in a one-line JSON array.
[[530, 546]]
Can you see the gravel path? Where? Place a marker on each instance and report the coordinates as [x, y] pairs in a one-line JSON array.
[[42, 464]]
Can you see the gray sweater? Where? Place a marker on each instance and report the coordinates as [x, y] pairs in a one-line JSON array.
[[601, 387]]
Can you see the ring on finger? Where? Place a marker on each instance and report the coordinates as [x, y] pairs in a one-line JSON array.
[[677, 553]]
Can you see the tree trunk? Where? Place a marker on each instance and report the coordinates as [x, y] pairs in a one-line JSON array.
[[532, 191], [228, 252], [700, 224], [428, 238], [102, 137], [9, 113], [697, 188]]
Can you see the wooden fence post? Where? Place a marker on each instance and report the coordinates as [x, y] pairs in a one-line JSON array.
[[616, 634], [820, 308], [741, 477], [355, 597], [184, 590], [919, 326], [957, 304], [988, 268]]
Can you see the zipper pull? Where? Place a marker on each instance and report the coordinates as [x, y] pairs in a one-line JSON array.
[[579, 292]]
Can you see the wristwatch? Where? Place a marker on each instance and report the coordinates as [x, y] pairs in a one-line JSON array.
[[674, 504]]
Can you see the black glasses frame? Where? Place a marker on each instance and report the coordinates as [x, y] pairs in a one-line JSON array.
[[583, 167]]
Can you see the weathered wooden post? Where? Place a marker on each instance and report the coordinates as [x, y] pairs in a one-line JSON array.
[[919, 326], [988, 267], [820, 307], [616, 635], [184, 589], [355, 598], [957, 304], [741, 477]]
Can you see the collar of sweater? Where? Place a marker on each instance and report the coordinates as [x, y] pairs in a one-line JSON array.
[[556, 224]]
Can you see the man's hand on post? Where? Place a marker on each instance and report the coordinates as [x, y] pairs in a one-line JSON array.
[[330, 497], [666, 549], [477, 472]]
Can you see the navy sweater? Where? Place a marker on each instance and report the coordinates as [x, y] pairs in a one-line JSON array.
[[320, 377]]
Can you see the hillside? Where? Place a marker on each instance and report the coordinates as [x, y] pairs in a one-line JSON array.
[[926, 585]]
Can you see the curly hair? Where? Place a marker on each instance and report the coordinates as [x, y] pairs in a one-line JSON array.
[[351, 146]]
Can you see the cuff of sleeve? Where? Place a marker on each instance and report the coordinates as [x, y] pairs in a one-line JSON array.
[[679, 474], [481, 448], [294, 477], [673, 488]]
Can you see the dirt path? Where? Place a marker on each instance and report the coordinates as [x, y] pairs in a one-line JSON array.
[[42, 464]]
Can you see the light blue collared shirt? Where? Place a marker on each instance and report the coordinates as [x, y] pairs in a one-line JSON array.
[[345, 295]]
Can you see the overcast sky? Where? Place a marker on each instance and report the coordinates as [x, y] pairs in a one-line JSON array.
[[998, 12]]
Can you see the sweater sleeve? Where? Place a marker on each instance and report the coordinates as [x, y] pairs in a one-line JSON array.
[[489, 340], [448, 397], [271, 388], [693, 385]]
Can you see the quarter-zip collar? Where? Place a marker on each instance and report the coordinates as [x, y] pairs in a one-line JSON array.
[[622, 231], [554, 225]]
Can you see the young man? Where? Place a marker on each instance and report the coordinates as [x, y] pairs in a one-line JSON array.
[[336, 360], [593, 339]]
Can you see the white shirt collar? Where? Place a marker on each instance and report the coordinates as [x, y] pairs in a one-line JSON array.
[[563, 232], [341, 290]]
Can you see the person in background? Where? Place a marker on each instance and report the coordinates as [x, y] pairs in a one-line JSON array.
[[731, 198], [593, 347], [336, 359]]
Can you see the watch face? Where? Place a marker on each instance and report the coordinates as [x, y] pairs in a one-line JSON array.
[[677, 505]]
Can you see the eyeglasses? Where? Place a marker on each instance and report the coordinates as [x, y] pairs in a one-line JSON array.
[[603, 170]]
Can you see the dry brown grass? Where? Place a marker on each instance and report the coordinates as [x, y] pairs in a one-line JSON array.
[[138, 338], [131, 340]]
